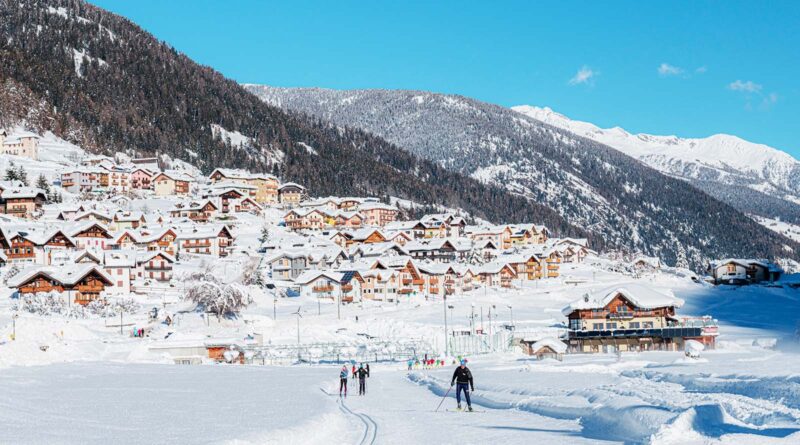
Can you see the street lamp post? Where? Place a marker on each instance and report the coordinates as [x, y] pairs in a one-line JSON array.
[[512, 315], [14, 326], [446, 350], [275, 308], [472, 319]]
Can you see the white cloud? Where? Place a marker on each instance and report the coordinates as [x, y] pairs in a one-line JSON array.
[[583, 76], [747, 87], [701, 70], [665, 69], [769, 100]]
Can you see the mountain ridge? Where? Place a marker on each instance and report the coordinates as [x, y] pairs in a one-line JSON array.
[[588, 183]]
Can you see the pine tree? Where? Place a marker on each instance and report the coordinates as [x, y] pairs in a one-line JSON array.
[[264, 235], [22, 175], [11, 173], [42, 183]]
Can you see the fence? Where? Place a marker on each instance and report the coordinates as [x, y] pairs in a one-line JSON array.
[[480, 343]]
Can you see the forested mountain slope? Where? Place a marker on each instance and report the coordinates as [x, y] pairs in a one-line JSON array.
[[98, 80], [589, 183]]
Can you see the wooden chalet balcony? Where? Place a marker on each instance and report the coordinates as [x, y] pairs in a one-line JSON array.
[[449, 281], [405, 291], [322, 288], [552, 267], [434, 280], [347, 287], [89, 289], [17, 210], [166, 267], [407, 281], [449, 291], [197, 244], [552, 274], [434, 290], [418, 282]]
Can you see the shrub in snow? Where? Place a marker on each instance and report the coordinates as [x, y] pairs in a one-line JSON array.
[[208, 293], [10, 273]]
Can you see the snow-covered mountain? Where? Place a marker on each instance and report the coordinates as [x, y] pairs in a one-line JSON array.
[[720, 158], [589, 183]]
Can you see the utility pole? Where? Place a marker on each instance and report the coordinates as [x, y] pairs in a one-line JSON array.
[[275, 308], [512, 315], [472, 319], [120, 321], [482, 331]]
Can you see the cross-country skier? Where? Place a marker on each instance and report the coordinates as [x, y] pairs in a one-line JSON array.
[[343, 381], [362, 380], [462, 377]]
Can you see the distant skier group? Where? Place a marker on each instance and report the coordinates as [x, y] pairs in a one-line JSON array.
[[361, 374]]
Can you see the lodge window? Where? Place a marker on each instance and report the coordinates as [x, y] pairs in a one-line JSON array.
[[634, 325], [574, 324], [597, 326], [611, 326]]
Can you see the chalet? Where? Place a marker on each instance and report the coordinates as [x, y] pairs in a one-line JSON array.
[[399, 238], [632, 317], [202, 211], [411, 279], [743, 271], [119, 179], [349, 220], [119, 266], [17, 246], [366, 235], [52, 245], [412, 229], [171, 183], [318, 284], [205, 240], [306, 219], [22, 202], [545, 348], [496, 274], [94, 215], [80, 283], [155, 265], [377, 214], [163, 240], [84, 180], [127, 220], [142, 179], [89, 235], [265, 186], [439, 250], [19, 143], [291, 194], [286, 265], [380, 284], [378, 250]]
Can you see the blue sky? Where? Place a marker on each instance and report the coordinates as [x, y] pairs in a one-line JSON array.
[[689, 68]]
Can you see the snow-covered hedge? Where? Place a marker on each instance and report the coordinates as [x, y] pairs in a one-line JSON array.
[[54, 303]]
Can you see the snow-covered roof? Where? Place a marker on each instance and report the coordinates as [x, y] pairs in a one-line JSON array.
[[22, 192], [309, 276], [639, 295], [291, 184], [556, 345], [69, 274]]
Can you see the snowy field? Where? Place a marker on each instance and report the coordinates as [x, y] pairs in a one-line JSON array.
[[93, 385]]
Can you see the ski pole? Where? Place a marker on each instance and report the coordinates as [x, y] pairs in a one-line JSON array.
[[443, 398]]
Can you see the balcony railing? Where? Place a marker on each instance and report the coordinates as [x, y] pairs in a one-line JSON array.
[[321, 289]]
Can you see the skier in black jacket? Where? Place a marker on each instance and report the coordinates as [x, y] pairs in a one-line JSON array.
[[362, 380], [462, 377]]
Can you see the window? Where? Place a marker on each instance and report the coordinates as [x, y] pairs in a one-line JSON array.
[[611, 326], [597, 326], [647, 325], [634, 325]]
